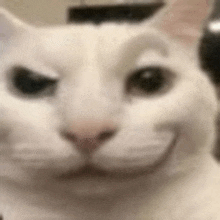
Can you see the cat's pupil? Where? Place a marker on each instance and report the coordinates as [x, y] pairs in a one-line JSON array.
[[147, 80], [31, 83]]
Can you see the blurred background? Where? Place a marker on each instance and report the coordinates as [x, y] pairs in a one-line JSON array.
[[183, 21]]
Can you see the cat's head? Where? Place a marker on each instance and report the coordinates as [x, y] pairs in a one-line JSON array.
[[85, 106]]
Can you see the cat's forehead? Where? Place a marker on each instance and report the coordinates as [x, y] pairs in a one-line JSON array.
[[106, 33], [73, 44], [83, 38]]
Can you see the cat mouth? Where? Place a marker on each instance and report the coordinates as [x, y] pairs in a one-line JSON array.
[[86, 171], [93, 171]]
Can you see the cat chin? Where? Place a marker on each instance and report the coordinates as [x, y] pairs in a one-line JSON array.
[[97, 186], [93, 187]]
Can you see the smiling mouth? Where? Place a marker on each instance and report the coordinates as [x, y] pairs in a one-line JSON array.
[[86, 171], [92, 171]]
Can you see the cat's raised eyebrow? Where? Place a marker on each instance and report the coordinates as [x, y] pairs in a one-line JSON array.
[[133, 48], [149, 41]]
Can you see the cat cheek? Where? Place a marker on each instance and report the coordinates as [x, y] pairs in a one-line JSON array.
[[27, 155], [49, 159], [140, 152]]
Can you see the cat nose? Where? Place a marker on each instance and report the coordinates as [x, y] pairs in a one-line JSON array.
[[89, 135]]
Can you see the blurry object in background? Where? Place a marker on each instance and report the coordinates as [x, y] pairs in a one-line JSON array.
[[209, 50], [132, 11], [217, 149], [209, 53]]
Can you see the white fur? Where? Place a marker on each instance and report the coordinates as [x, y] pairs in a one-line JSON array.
[[214, 26], [168, 136]]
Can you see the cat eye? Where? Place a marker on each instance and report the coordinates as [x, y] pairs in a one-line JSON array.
[[31, 83], [149, 80]]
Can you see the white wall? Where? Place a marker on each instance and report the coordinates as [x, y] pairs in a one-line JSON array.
[[1, 3], [40, 11]]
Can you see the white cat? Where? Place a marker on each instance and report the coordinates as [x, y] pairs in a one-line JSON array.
[[104, 122]]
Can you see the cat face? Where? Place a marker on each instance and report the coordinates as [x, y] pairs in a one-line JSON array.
[[87, 105]]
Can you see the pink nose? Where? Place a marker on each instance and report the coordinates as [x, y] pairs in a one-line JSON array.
[[89, 135]]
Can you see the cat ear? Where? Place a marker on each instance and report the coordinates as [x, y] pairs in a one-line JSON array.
[[182, 19], [158, 19], [10, 25]]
